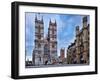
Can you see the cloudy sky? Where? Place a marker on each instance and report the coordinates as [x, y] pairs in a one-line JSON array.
[[66, 24]]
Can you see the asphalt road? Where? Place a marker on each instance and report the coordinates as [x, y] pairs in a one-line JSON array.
[[56, 65]]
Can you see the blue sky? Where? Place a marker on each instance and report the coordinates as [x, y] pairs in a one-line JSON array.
[[66, 24]]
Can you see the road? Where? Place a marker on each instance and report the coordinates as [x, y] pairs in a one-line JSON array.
[[56, 65]]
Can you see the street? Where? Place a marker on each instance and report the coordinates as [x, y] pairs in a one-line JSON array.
[[56, 65]]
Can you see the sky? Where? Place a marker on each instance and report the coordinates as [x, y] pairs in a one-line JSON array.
[[66, 24]]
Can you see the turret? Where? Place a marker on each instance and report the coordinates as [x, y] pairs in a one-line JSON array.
[[35, 18], [55, 23], [84, 21], [42, 19], [77, 30], [50, 22]]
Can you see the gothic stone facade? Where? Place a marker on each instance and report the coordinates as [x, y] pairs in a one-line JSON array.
[[62, 55], [78, 52], [45, 50], [52, 37]]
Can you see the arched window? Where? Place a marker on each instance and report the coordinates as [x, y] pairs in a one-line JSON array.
[[39, 45]]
